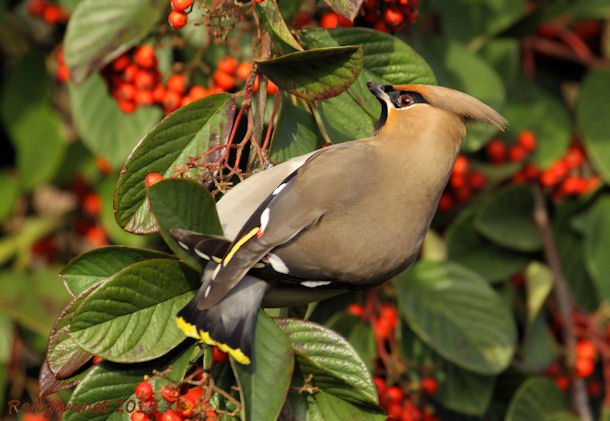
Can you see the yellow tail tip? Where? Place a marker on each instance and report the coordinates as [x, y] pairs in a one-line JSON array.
[[191, 330]]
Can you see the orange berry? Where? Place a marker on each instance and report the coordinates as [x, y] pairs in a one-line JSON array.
[[152, 178], [389, 313], [393, 16], [560, 169], [144, 97], [585, 349], [181, 5], [145, 57], [461, 165], [171, 101], [272, 88], [125, 92], [549, 178], [194, 393], [103, 165], [224, 80], [159, 93], [527, 140], [355, 310], [127, 107], [329, 20], [198, 92], [211, 415], [429, 386], [243, 70], [176, 19], [31, 416], [584, 367], [144, 80], [593, 183], [383, 328], [96, 236], [496, 151], [130, 72], [92, 204], [227, 64], [177, 83]]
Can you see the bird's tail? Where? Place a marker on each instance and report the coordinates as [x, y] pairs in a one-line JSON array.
[[230, 323]]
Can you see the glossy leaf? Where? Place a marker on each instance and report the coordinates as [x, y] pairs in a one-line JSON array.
[[183, 204], [264, 383], [346, 8], [597, 244], [458, 314], [358, 333], [506, 219], [105, 129], [131, 317], [326, 406], [187, 132], [470, 249], [592, 113], [539, 283], [335, 365], [276, 24], [539, 349], [315, 74], [99, 31], [536, 399], [296, 132], [354, 114], [98, 264]]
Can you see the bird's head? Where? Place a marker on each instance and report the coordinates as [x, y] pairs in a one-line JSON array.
[[404, 101]]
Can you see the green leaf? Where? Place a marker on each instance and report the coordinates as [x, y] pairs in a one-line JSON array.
[[458, 68], [263, 385], [539, 348], [296, 132], [346, 8], [6, 331], [597, 244], [359, 335], [539, 283], [467, 247], [183, 204], [333, 362], [276, 24], [94, 266], [9, 192], [506, 218], [315, 74], [531, 108], [476, 21], [536, 399], [592, 112], [187, 132], [456, 312], [105, 129], [354, 114], [131, 317], [326, 406], [100, 31]]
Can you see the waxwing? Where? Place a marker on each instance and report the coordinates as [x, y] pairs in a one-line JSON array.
[[345, 217]]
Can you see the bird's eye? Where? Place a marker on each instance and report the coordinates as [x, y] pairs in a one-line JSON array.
[[405, 100]]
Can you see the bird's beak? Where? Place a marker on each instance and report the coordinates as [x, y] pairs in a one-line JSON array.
[[379, 90]]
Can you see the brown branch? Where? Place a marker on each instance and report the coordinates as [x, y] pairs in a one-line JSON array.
[[561, 289]]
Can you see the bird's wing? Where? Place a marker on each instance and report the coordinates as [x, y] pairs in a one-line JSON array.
[[206, 247], [296, 204]]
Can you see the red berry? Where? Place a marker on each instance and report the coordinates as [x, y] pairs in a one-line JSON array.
[[243, 70], [394, 394], [272, 88], [517, 153], [125, 92], [152, 178], [32, 416], [198, 92], [194, 393], [457, 180], [531, 172], [584, 367], [517, 280], [381, 26], [383, 328], [210, 415], [144, 391], [186, 406], [573, 185], [549, 178], [170, 415], [159, 93], [219, 356], [97, 360], [445, 203], [463, 194], [496, 151], [477, 180], [171, 101], [145, 57], [144, 97], [130, 72], [224, 80], [461, 165], [389, 313], [36, 7], [120, 63], [144, 80], [562, 382], [585, 349], [527, 140], [170, 393], [177, 83], [593, 183], [355, 310], [177, 19], [380, 385], [574, 157], [394, 410], [393, 16], [53, 14], [127, 107], [227, 64], [560, 169], [329, 20], [429, 386], [181, 5]]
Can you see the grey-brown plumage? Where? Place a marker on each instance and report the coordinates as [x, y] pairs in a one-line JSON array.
[[348, 216]]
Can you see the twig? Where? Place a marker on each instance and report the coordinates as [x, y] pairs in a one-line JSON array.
[[564, 301]]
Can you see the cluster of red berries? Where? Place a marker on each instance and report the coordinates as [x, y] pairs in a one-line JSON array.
[[584, 367], [464, 182], [87, 223], [401, 407], [178, 17], [389, 15], [50, 13], [333, 20], [384, 324], [569, 176], [178, 402]]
